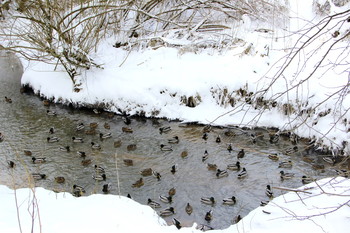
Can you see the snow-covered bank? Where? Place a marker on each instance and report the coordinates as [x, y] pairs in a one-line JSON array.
[[317, 207]]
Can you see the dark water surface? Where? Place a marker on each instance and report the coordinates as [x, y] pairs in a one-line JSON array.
[[25, 125]]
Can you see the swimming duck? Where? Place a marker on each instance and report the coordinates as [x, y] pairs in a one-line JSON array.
[[165, 199], [82, 154], [172, 192], [209, 216], [146, 172], [52, 130], [173, 168], [86, 162], [27, 152], [11, 164], [106, 188], [90, 132], [174, 140], [99, 177], [221, 173], [65, 148], [177, 223], [237, 219], [80, 126], [126, 120], [285, 164], [203, 227], [330, 160], [117, 143], [78, 190], [167, 212], [205, 156], [8, 100], [131, 147], [229, 148], [156, 175], [106, 125], [95, 146], [264, 203], [164, 129], [343, 172], [218, 139], [205, 136], [52, 139], [38, 160], [208, 200], [138, 183], [240, 154], [77, 140], [207, 129], [229, 201], [128, 196], [184, 154], [274, 157], [165, 148], [268, 191], [291, 151], [93, 125], [234, 166], [51, 113], [242, 174], [285, 176], [253, 138], [152, 203], [128, 162], [99, 169], [274, 138], [127, 130], [189, 209], [212, 166], [307, 179], [38, 176], [95, 110], [105, 136], [60, 179]]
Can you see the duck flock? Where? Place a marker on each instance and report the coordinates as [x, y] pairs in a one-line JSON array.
[[164, 204]]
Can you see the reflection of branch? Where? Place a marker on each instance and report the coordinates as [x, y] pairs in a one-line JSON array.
[[17, 209]]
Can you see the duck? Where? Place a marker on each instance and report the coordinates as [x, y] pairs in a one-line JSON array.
[[146, 172], [205, 156], [205, 136], [105, 136], [52, 139], [51, 113], [172, 192], [329, 160], [164, 129], [268, 191], [27, 152], [93, 125], [221, 173], [343, 172], [253, 138], [77, 140], [90, 132], [78, 190], [234, 166], [106, 188], [229, 201], [128, 162], [38, 160], [11, 164], [95, 146], [80, 127], [46, 103], [106, 125], [129, 196], [60, 179], [212, 166], [126, 120], [285, 164], [138, 183], [127, 130], [131, 147], [166, 199], [237, 219], [117, 143], [177, 223], [65, 148], [165, 148], [99, 169], [174, 140], [307, 179], [173, 168], [82, 154], [99, 177], [242, 174], [189, 209], [274, 157], [264, 203], [8, 100], [291, 151], [285, 176], [209, 216], [96, 111], [229, 148], [184, 154], [153, 204], [240, 154], [156, 175], [52, 130], [203, 227], [208, 200], [167, 212], [274, 138], [38, 176], [218, 139], [86, 162]]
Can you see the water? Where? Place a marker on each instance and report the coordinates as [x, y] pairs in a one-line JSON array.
[[26, 125]]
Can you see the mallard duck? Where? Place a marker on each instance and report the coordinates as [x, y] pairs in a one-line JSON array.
[[46, 103], [173, 140], [27, 152], [264, 203], [218, 139], [166, 199], [146, 172], [126, 120], [93, 125], [90, 132], [240, 154], [131, 147], [229, 201], [205, 136], [209, 216], [268, 191], [99, 169], [307, 179], [51, 113], [274, 157], [253, 138], [177, 223], [291, 151], [208, 200], [205, 156], [207, 129], [237, 219], [99, 177], [165, 148], [128, 162], [285, 164], [106, 125], [52, 139], [11, 164], [184, 154], [86, 162], [164, 129], [128, 196], [38, 160], [167, 212], [274, 138], [329, 160], [60, 179], [117, 143], [105, 135], [242, 174], [153, 204], [138, 183], [78, 190], [221, 173], [229, 148], [285, 176], [96, 111], [343, 172], [203, 227], [95, 146], [8, 100], [80, 126], [318, 166], [172, 192], [52, 130], [234, 166], [212, 166], [82, 154], [173, 168], [65, 148], [189, 209], [106, 188], [77, 140], [156, 175], [127, 130], [38, 176]]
